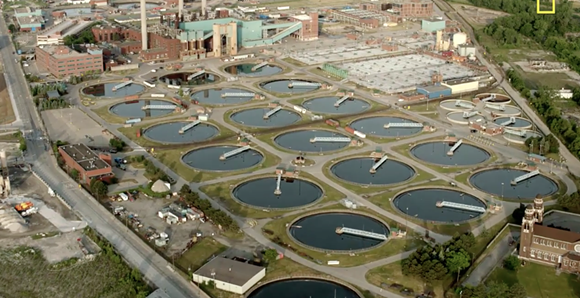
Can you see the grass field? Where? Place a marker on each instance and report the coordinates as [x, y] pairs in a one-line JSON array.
[[25, 273], [539, 281], [199, 253]]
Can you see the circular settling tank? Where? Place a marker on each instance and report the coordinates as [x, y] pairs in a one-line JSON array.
[[294, 288], [494, 98], [226, 96], [520, 137], [458, 118], [376, 126], [248, 70], [328, 105], [439, 153], [320, 231], [210, 159], [185, 79], [508, 111], [309, 140], [170, 132], [498, 182], [134, 109], [455, 105], [422, 204], [109, 90], [255, 117], [360, 171], [519, 123], [261, 193], [290, 86]]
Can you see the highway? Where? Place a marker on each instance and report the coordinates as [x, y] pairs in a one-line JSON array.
[[134, 250]]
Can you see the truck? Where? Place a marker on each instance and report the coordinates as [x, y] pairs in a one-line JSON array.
[[332, 122]]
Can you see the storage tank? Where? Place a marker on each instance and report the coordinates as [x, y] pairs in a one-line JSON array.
[[459, 39]]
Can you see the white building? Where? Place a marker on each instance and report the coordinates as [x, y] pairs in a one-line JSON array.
[[466, 50], [565, 93], [229, 275], [77, 2], [462, 85]]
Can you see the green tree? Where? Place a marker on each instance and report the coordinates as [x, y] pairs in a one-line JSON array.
[[12, 28], [457, 261], [98, 188], [117, 144], [74, 174], [512, 263], [185, 190], [270, 255]]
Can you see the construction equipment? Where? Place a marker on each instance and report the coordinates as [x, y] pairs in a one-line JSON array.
[[23, 206]]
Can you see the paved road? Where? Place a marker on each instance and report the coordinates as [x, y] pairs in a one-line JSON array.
[[133, 249], [500, 251]]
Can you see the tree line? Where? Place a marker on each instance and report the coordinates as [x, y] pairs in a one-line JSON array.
[[435, 263], [217, 216]]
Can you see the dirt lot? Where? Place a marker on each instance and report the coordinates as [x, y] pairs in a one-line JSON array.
[[6, 111], [74, 126], [478, 16], [179, 235]]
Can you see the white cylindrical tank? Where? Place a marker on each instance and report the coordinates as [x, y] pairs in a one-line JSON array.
[[3, 161], [459, 39]]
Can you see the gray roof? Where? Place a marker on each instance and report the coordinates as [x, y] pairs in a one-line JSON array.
[[159, 293], [52, 94], [230, 271]]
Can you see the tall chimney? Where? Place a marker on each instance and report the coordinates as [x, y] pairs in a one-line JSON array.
[[3, 161], [143, 25], [203, 7], [180, 8]]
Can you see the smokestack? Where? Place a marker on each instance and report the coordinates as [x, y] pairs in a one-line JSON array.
[[180, 8], [203, 7], [3, 159], [143, 25]]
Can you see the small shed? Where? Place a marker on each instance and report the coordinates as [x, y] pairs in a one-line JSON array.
[[52, 94], [160, 186]]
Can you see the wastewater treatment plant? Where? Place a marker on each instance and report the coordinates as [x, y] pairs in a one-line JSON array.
[[340, 175]]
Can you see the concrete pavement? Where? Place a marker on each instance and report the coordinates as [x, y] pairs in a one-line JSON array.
[[495, 256]]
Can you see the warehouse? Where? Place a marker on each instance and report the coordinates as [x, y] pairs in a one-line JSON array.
[[434, 91], [462, 85], [86, 162], [230, 275]]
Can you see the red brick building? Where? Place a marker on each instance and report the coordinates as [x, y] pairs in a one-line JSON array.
[[545, 245], [62, 61], [413, 8], [87, 163], [129, 40], [309, 29]]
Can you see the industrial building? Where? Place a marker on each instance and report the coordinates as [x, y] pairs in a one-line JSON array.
[[461, 85], [86, 162], [413, 8], [62, 61], [230, 275], [466, 50], [434, 91], [362, 18], [173, 39], [29, 19], [432, 25], [55, 35]]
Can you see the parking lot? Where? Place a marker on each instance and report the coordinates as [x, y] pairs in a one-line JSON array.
[[74, 126], [145, 210]]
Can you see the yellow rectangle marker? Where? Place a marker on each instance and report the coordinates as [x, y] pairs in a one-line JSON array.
[[553, 11]]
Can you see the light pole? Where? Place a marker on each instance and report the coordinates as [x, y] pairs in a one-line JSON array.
[[406, 221], [502, 184]]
